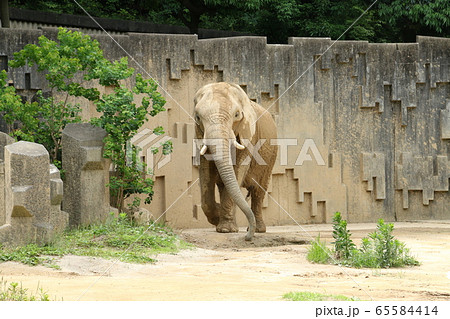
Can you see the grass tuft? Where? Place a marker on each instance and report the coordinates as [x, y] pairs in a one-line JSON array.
[[318, 252], [118, 238], [15, 292], [314, 296]]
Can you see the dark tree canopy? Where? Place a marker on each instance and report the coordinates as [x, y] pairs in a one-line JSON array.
[[386, 21]]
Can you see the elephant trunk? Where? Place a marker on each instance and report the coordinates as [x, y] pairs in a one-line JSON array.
[[225, 168]]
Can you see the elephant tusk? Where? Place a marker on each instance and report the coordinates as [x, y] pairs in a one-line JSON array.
[[238, 146], [203, 150]]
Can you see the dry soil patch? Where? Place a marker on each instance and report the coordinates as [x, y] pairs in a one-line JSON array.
[[225, 267]]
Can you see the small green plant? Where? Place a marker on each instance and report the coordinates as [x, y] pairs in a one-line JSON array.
[[107, 240], [379, 250], [314, 296], [318, 252], [30, 254], [343, 245], [15, 292]]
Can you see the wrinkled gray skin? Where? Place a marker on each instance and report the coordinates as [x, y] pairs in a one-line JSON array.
[[224, 113]]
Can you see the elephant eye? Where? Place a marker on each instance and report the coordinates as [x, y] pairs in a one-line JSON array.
[[197, 118], [237, 114]]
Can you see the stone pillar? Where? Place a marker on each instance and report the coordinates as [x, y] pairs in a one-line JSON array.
[[29, 214], [59, 220], [86, 197], [5, 139]]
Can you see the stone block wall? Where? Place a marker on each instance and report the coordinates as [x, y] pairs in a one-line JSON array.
[[366, 126]]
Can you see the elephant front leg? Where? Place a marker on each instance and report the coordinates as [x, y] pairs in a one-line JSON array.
[[257, 195], [227, 216], [211, 210], [207, 188]]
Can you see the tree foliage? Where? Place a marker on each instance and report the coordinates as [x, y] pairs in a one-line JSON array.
[[61, 61], [70, 65], [417, 17], [386, 21], [42, 119], [121, 117]]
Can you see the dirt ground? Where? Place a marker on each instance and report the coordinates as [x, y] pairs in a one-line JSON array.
[[225, 267]]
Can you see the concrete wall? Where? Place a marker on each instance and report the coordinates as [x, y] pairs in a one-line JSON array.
[[370, 122]]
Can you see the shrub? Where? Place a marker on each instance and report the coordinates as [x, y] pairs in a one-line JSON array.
[[379, 250], [343, 245]]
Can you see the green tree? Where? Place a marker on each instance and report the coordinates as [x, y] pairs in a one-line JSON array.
[[416, 17], [221, 14], [386, 21], [76, 56], [61, 62], [318, 18], [121, 117], [216, 14], [42, 120]]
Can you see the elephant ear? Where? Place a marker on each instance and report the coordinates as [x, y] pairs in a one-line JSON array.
[[198, 131], [247, 125], [198, 96]]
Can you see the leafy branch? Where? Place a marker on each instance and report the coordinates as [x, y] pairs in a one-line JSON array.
[[122, 113]]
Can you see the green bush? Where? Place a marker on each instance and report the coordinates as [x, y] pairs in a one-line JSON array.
[[343, 245], [379, 250]]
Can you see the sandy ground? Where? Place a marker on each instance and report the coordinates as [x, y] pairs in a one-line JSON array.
[[225, 267]]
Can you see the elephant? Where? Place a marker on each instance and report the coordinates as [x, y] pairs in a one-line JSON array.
[[238, 126]]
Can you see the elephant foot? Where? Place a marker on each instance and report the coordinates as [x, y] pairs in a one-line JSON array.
[[260, 227], [214, 220], [211, 213], [227, 226]]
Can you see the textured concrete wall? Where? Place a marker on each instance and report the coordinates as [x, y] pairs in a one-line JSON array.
[[368, 125]]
